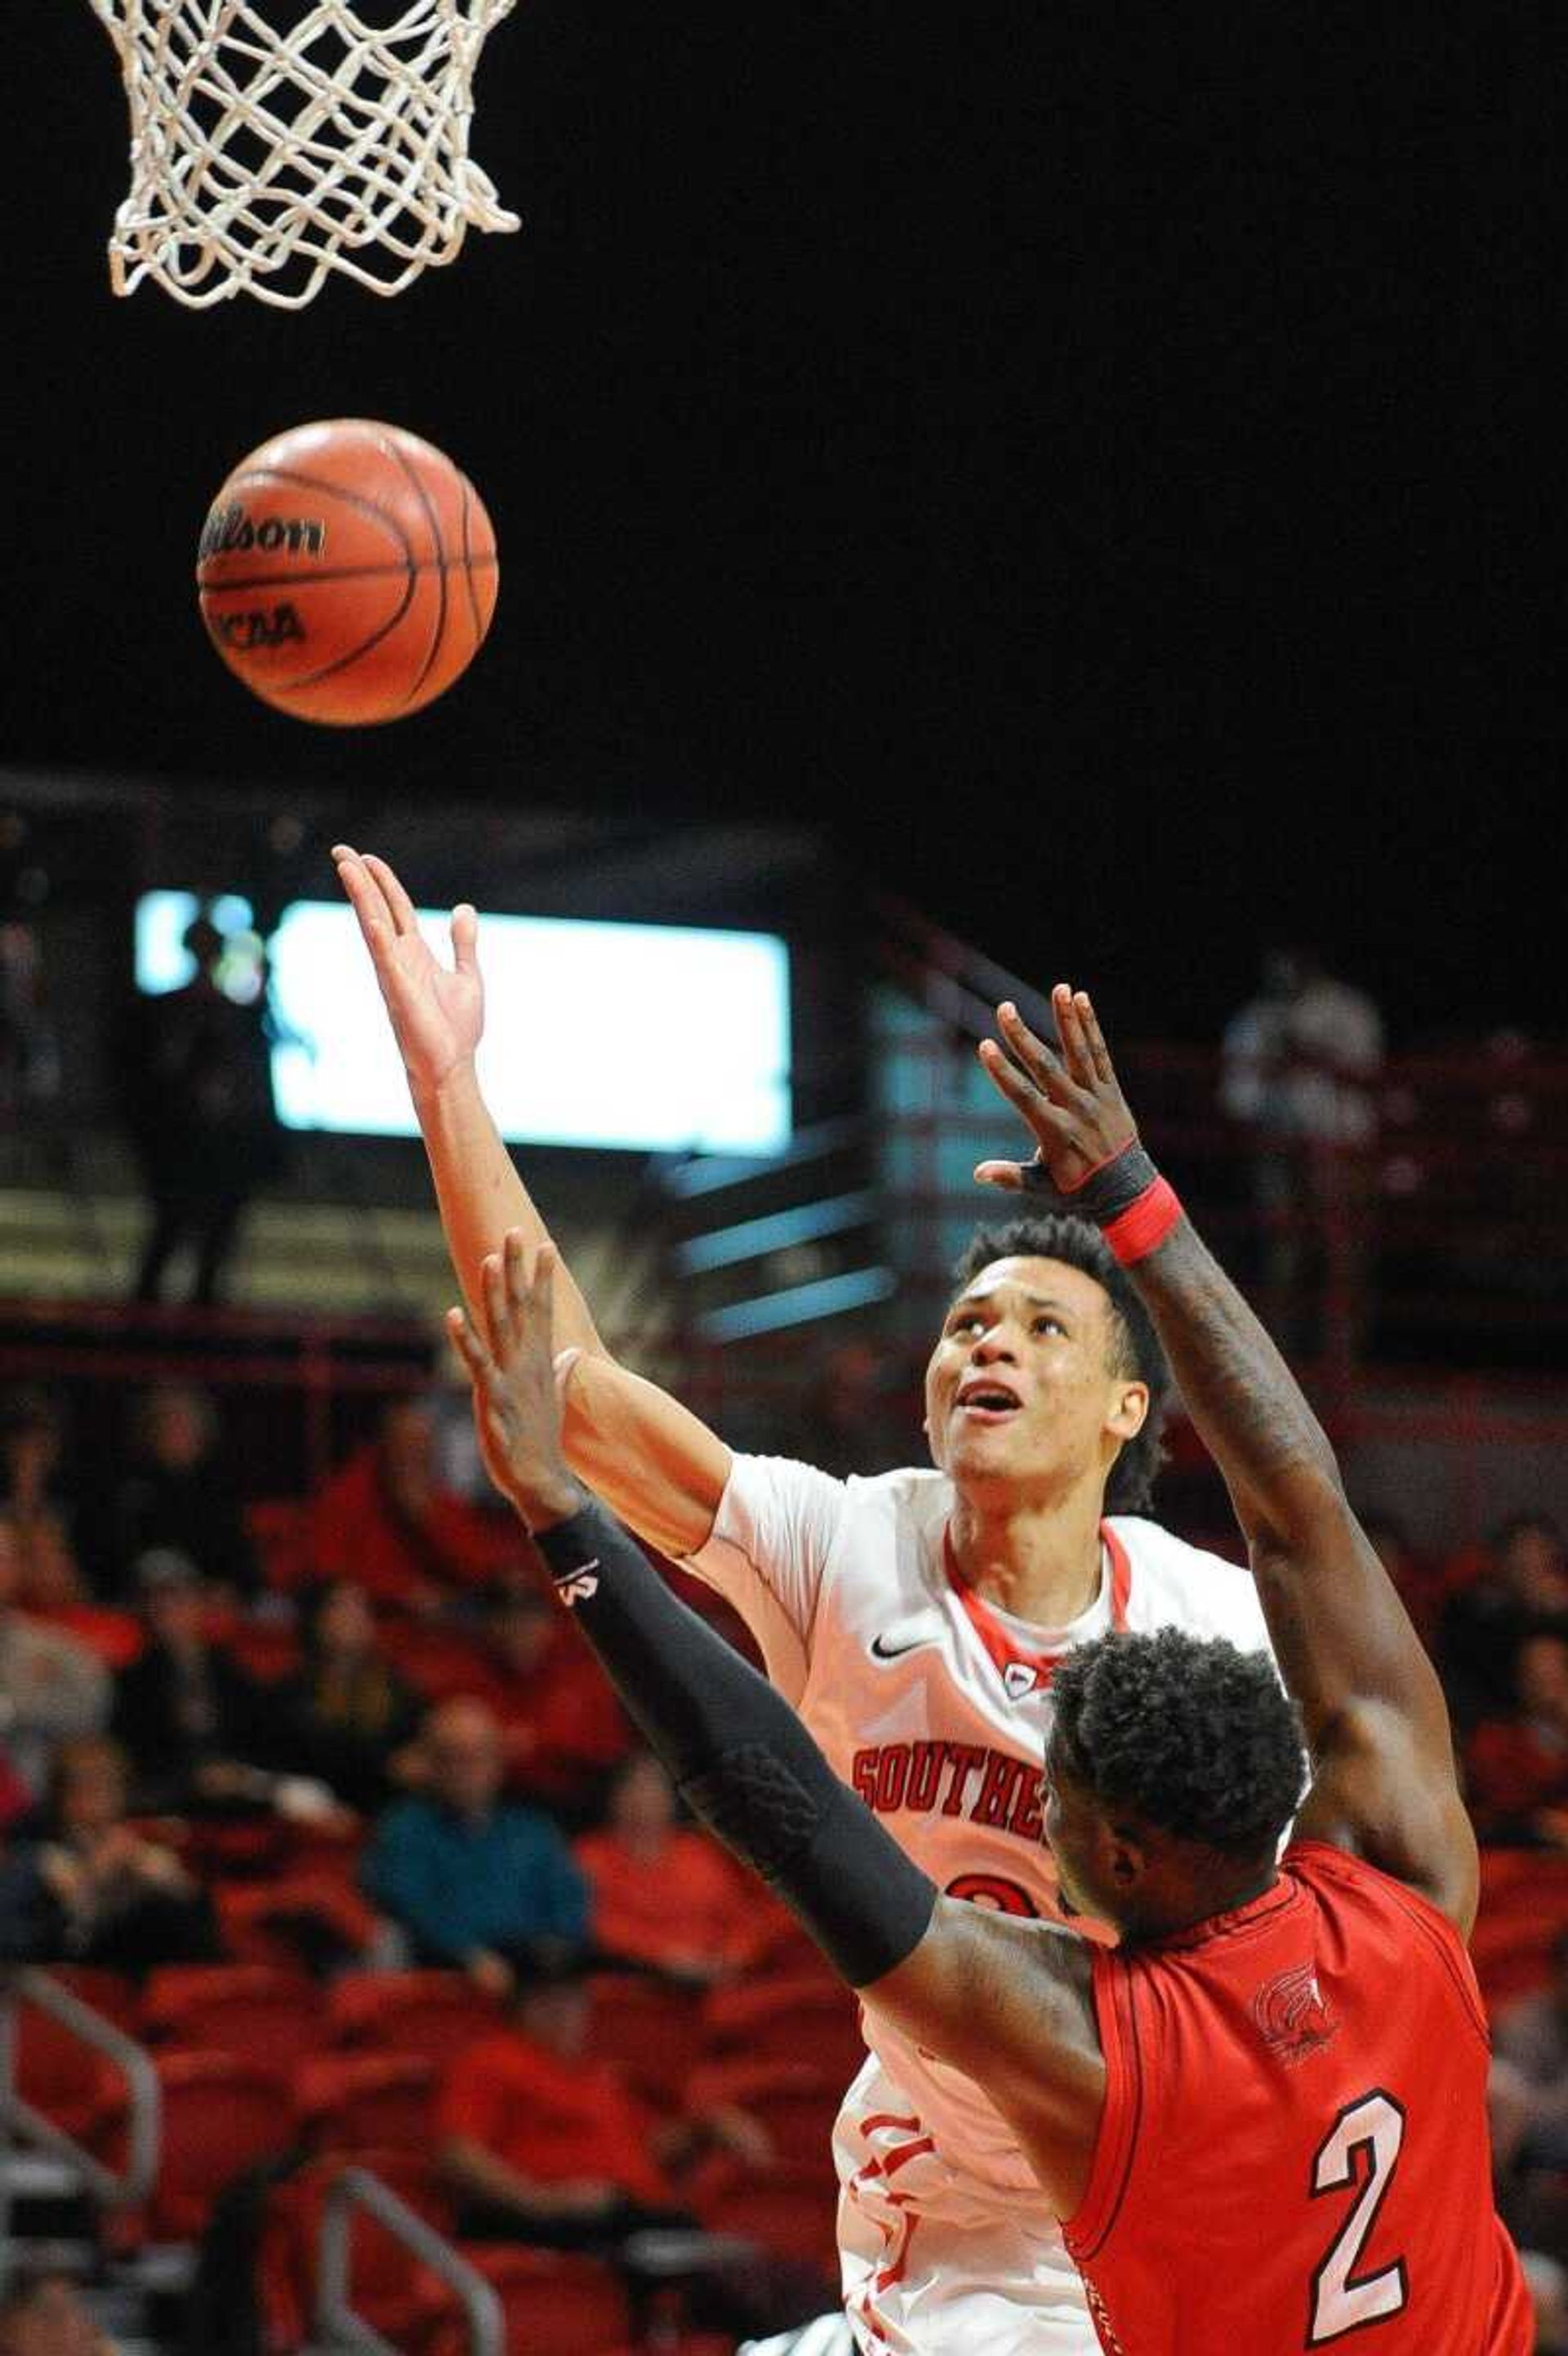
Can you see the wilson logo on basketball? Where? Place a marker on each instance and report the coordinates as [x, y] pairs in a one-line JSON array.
[[1290, 2012], [230, 531]]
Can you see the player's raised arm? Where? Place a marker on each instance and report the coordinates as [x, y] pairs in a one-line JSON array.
[[972, 1985], [1382, 1753], [657, 1462]]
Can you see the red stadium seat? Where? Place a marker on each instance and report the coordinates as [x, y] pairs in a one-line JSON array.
[[554, 2305], [795, 2101], [117, 1638], [266, 1652], [345, 2100], [247, 2009], [220, 1847], [652, 2032], [675, 2342], [286, 1921], [220, 2116], [68, 2081], [1523, 1908], [388, 2286], [329, 1850], [439, 2014], [437, 1663], [780, 2016], [780, 1947], [791, 2211], [109, 1993], [279, 1529]]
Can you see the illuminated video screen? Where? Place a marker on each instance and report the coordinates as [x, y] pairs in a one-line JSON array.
[[650, 1037]]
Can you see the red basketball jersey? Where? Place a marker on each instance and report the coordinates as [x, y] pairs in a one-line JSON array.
[[1295, 2146]]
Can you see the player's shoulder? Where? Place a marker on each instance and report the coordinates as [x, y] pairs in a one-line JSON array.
[[908, 1494], [912, 1493], [1343, 1884], [1172, 1584], [1161, 1555], [1325, 1866]]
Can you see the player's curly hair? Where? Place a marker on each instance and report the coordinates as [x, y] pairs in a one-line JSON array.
[[1186, 1731], [1057, 1236]]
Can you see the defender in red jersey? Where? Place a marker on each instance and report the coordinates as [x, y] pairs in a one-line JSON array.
[[1261, 2117]]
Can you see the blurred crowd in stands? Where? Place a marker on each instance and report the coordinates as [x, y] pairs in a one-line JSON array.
[[263, 1766], [315, 1748]]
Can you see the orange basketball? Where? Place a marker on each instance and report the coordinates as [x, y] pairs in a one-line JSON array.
[[347, 572]]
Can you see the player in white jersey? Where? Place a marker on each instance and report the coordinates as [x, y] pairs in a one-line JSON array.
[[913, 1618], [935, 1705]]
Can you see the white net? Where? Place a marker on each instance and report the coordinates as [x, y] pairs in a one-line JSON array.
[[272, 146]]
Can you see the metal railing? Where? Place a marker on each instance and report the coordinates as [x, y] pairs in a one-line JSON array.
[[20, 2119], [337, 2327]]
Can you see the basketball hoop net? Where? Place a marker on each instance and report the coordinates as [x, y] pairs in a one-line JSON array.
[[262, 159]]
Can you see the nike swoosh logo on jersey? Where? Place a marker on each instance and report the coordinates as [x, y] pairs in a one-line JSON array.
[[906, 1636]]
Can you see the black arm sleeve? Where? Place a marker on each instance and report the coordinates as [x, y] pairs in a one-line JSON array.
[[738, 1755]]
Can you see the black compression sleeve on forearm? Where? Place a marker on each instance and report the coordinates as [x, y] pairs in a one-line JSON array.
[[738, 1755]]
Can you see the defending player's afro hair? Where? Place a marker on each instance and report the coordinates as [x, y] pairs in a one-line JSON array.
[[1187, 1732], [1137, 1353]]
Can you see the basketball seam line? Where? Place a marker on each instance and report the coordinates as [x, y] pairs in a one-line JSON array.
[[434, 520], [314, 678], [303, 580], [468, 497]]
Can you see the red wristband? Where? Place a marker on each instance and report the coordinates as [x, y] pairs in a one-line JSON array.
[[1144, 1226]]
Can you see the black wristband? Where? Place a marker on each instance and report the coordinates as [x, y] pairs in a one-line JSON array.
[[571, 1548], [1106, 1193]]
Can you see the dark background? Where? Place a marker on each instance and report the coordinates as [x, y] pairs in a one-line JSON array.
[[1104, 461]]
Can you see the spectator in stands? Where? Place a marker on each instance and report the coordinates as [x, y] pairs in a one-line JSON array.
[[539, 2142], [448, 1400], [51, 1687], [35, 1502], [563, 1728], [30, 1916], [1300, 1064], [1517, 1766], [1529, 2050], [190, 1717], [1547, 2280], [347, 1717], [464, 1875], [175, 1492], [1523, 1588], [125, 1901], [16, 1801], [1529, 2103], [383, 1521], [197, 1093], [663, 1893], [30, 1050], [43, 2314], [855, 1422]]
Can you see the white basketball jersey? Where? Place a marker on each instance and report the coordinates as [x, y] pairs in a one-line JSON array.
[[931, 1704]]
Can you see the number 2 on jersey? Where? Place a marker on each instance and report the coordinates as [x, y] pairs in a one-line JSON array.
[[1374, 2123]]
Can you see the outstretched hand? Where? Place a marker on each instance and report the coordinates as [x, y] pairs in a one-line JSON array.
[[510, 1362], [437, 1013], [1071, 1100]]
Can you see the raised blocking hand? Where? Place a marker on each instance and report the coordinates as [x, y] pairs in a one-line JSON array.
[[510, 1362], [1071, 1100], [437, 1012]]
